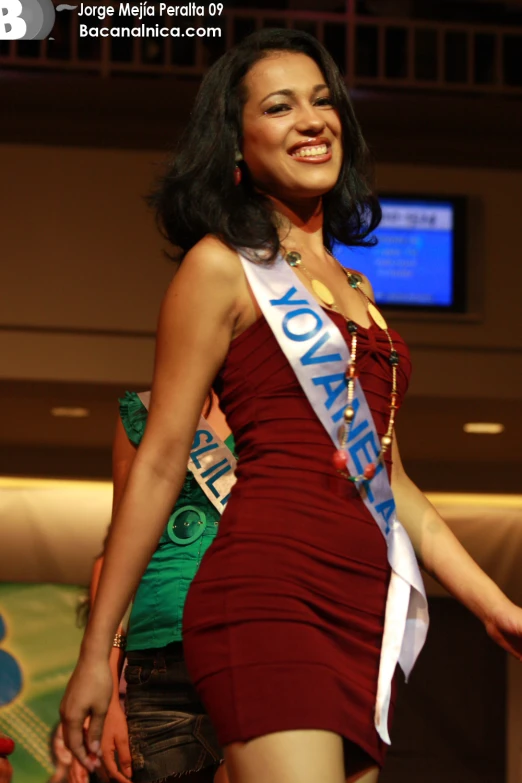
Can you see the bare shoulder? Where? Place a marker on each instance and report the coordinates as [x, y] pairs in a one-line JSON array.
[[209, 281], [214, 260]]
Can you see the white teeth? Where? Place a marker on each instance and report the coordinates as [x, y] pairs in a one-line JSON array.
[[308, 152]]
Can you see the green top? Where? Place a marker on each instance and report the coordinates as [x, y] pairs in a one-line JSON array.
[[157, 611]]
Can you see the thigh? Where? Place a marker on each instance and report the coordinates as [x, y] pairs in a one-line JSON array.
[[303, 756]]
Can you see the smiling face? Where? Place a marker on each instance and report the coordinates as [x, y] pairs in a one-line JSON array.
[[291, 132]]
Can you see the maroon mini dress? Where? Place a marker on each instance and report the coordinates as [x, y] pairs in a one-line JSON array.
[[283, 622]]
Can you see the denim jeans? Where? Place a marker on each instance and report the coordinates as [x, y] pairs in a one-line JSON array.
[[169, 731]]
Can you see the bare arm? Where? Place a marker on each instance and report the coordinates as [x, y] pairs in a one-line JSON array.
[[197, 322], [123, 454], [115, 738], [195, 329], [443, 556], [115, 735], [438, 549]]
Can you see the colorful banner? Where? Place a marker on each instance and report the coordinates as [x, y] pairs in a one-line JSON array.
[[39, 643]]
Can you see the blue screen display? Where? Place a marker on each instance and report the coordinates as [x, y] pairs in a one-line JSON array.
[[412, 262]]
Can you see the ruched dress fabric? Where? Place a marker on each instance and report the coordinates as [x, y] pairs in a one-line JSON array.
[[283, 622]]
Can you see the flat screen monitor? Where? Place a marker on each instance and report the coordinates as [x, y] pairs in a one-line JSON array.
[[418, 262]]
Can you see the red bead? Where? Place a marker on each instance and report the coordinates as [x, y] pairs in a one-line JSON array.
[[340, 459], [6, 745], [369, 471], [237, 175]]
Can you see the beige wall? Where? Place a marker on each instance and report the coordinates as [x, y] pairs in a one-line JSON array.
[[81, 254]]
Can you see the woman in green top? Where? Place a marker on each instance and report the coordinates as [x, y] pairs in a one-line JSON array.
[[166, 732]]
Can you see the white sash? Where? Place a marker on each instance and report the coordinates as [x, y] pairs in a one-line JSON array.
[[319, 356], [210, 461]]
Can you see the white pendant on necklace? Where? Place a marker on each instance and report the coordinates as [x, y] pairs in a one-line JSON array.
[[377, 316], [324, 293]]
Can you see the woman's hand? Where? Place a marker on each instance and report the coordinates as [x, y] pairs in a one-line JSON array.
[[505, 628], [115, 740], [87, 696], [77, 773]]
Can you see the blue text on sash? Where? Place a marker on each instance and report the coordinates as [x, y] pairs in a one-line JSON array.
[[363, 445], [216, 471]]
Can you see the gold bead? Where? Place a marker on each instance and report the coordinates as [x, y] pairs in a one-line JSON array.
[[386, 441], [349, 413]]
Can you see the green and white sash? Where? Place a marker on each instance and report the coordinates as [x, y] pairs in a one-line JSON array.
[[210, 461]]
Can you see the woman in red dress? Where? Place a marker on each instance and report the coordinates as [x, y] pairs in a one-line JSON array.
[[284, 623]]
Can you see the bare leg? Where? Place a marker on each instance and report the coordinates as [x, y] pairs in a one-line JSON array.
[[306, 756]]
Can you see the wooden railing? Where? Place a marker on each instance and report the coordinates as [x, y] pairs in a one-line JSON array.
[[372, 52]]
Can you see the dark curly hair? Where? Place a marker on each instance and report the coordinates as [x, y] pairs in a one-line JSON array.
[[197, 195]]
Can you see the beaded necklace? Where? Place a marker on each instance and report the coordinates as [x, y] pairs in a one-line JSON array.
[[340, 457]]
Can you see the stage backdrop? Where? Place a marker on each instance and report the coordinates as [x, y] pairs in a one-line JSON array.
[[53, 530], [39, 642]]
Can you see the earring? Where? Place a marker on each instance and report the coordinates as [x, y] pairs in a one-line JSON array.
[[237, 170]]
